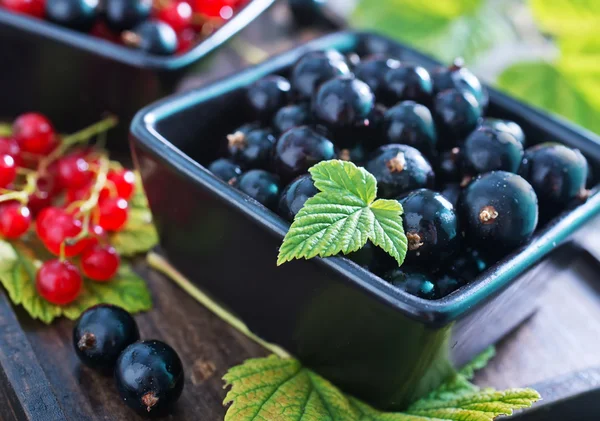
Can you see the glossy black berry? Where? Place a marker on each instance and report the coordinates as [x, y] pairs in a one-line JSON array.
[[408, 83], [121, 15], [452, 192], [251, 150], [366, 135], [356, 154], [262, 186], [226, 170], [372, 71], [365, 256], [505, 126], [446, 284], [149, 377], [298, 149], [291, 116], [467, 265], [488, 149], [431, 227], [399, 169], [415, 283], [74, 14], [295, 195], [152, 36], [343, 102], [449, 166], [267, 95], [499, 212], [458, 77], [557, 173], [316, 67], [410, 123], [457, 114], [102, 333]]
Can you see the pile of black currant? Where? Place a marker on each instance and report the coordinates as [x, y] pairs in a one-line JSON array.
[[148, 374], [469, 187]]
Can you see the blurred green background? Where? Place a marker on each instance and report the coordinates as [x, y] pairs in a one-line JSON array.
[[546, 52]]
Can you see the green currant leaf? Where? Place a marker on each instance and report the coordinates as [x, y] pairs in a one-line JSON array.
[[139, 234], [343, 216], [18, 268], [568, 18]]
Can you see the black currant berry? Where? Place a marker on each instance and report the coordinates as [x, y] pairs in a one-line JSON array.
[[267, 95], [226, 170], [372, 71], [467, 265], [409, 123], [488, 149], [295, 195], [415, 283], [121, 15], [343, 102], [449, 166], [362, 137], [499, 212], [408, 83], [452, 192], [456, 113], [298, 149], [149, 376], [365, 256], [557, 173], [102, 333], [399, 169], [262, 186], [505, 126], [446, 284], [314, 68], [431, 227], [356, 154], [291, 116], [75, 14], [458, 77], [252, 150], [152, 36]]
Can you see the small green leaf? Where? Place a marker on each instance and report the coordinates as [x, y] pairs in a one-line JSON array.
[[567, 18], [479, 362], [278, 389], [345, 178], [388, 232]]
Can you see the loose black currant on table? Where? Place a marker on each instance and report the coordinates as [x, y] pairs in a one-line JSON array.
[[267, 95], [505, 126], [102, 333], [316, 67], [291, 116], [488, 149], [499, 212], [449, 166], [557, 173], [452, 192], [298, 149], [431, 227], [121, 15], [295, 195], [75, 14], [152, 36], [410, 123], [226, 170], [252, 150], [456, 76], [408, 83], [262, 186], [399, 169], [372, 71], [457, 114], [415, 283], [343, 102], [149, 376]]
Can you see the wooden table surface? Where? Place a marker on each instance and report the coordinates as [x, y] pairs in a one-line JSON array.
[[43, 380]]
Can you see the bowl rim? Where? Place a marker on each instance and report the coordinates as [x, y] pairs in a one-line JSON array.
[[120, 53], [436, 312]]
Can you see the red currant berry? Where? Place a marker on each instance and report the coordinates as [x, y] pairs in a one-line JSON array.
[[113, 213], [74, 172], [56, 226], [45, 191], [100, 263], [10, 147], [214, 8], [58, 282], [101, 30], [124, 183], [8, 170], [178, 15], [185, 40], [97, 234], [78, 194], [35, 8], [34, 133], [15, 220]]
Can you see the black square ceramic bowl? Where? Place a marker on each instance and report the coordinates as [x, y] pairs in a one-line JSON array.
[[74, 77], [351, 326]]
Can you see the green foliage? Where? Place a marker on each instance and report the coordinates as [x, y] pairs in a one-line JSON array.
[[343, 216], [568, 18]]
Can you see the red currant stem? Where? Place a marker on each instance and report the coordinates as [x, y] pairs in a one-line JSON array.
[[24, 171], [22, 195]]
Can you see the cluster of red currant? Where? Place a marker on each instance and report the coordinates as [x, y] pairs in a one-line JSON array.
[[73, 196]]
